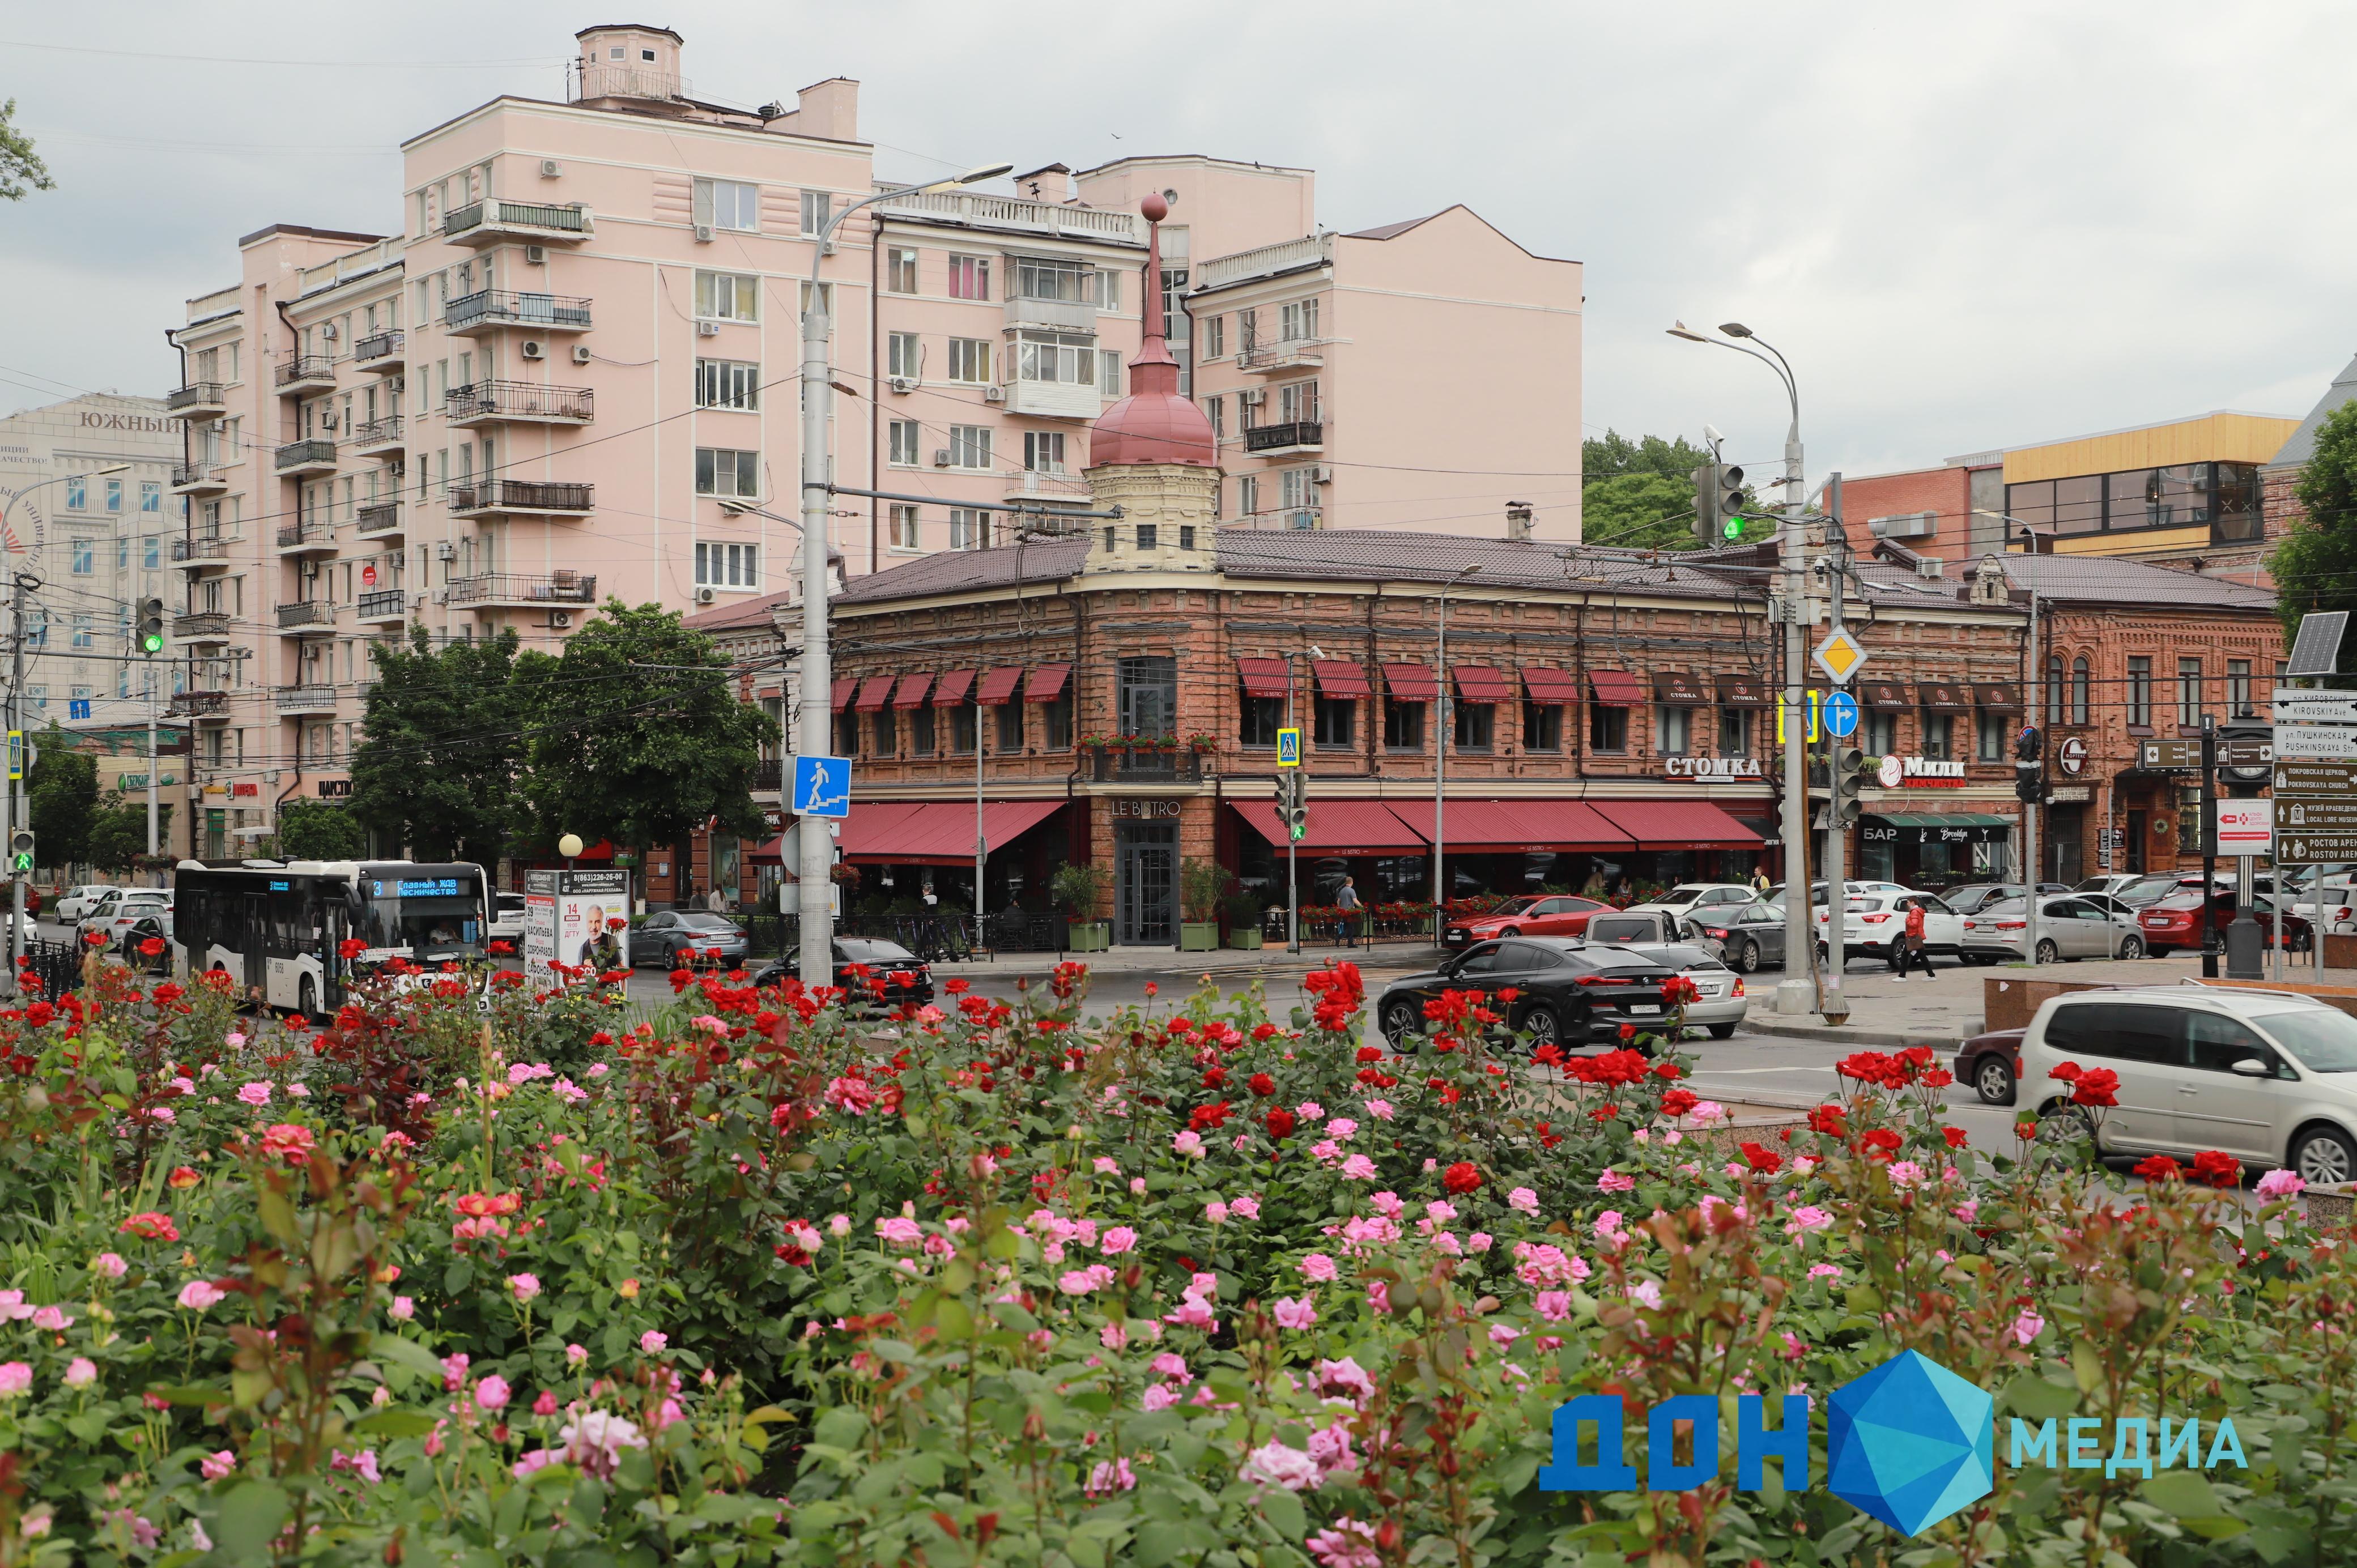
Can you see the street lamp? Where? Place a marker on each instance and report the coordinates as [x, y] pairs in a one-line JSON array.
[[1440, 765], [2034, 708], [817, 713], [1793, 992], [569, 846]]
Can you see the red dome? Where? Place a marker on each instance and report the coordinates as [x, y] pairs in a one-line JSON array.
[[1153, 424]]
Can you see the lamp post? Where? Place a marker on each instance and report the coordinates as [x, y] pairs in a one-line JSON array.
[[1447, 712], [2035, 705], [1301, 779], [1794, 994], [817, 713], [569, 846]]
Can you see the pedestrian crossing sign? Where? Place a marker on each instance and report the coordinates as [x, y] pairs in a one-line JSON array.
[[1288, 748]]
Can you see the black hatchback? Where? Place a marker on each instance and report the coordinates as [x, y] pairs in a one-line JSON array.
[[1566, 991], [882, 960]]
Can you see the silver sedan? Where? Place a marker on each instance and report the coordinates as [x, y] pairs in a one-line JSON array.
[[2069, 926], [1719, 1004]]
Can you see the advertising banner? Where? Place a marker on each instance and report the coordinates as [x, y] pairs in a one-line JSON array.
[[574, 918]]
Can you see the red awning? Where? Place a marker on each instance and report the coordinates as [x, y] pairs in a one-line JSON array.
[[950, 692], [911, 693], [1047, 684], [1482, 683], [1678, 825], [1338, 827], [998, 686], [1617, 688], [1340, 678], [926, 832], [1411, 684], [840, 694], [1261, 677], [1551, 687], [1504, 827], [874, 693]]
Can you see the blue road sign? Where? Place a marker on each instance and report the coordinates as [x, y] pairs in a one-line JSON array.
[[77, 707], [1288, 748], [821, 786], [1841, 714]]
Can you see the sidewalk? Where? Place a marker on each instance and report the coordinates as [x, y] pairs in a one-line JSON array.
[[1164, 962]]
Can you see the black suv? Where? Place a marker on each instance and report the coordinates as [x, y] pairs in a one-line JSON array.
[[1566, 991]]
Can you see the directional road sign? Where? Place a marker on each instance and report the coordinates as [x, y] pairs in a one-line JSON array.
[[2244, 827], [2299, 705], [1841, 714], [77, 707], [2293, 848], [1288, 748], [2316, 740], [2300, 776], [2315, 814], [823, 785], [2183, 753], [1839, 656]]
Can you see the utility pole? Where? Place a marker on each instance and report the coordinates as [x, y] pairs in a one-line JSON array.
[[1447, 713], [2038, 777], [1292, 881], [20, 752], [1834, 1006], [2210, 932], [1793, 993]]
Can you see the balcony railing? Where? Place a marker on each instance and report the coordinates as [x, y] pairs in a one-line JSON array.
[[197, 704], [299, 368], [511, 588], [314, 534], [1281, 517], [202, 626], [309, 698], [768, 775], [384, 604], [1298, 435], [1284, 256], [519, 400], [198, 550], [196, 398], [306, 612], [377, 517], [1054, 487], [385, 431], [386, 345], [315, 453], [200, 476], [521, 496], [513, 308], [1285, 353], [481, 221], [1156, 766], [602, 79]]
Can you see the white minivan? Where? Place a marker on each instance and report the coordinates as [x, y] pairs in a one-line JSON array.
[[2267, 1076]]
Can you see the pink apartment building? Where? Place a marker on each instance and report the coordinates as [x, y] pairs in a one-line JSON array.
[[572, 375]]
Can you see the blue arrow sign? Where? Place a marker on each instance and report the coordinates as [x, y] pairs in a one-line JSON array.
[[1841, 714], [821, 786], [77, 707]]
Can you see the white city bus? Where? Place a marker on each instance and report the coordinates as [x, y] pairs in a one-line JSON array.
[[275, 928]]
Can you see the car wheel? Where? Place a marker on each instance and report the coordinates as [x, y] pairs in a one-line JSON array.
[[1993, 1080], [1541, 1025], [2060, 1123], [306, 998], [1722, 1031], [1746, 957], [1512, 931], [1400, 1019], [2323, 1158], [2156, 951], [2048, 952], [2132, 946]]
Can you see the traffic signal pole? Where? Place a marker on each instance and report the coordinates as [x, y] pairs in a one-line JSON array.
[[20, 810], [1793, 992], [1832, 1005], [2030, 930]]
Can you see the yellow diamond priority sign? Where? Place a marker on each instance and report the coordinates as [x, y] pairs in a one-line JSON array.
[[1839, 656]]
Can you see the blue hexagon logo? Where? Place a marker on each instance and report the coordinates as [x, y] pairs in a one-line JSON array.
[[1910, 1443]]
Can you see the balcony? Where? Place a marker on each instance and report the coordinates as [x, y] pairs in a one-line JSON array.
[[768, 776], [305, 538], [1026, 485], [201, 626], [312, 697], [196, 400], [1282, 517], [301, 373], [1180, 767], [1053, 400], [588, 80], [517, 402], [508, 589], [1278, 440], [381, 351], [307, 618], [203, 477], [487, 310], [296, 458], [1265, 260], [196, 554], [521, 498], [378, 520], [1051, 314], [495, 221], [381, 605], [966, 209], [198, 705], [375, 438], [1285, 354]]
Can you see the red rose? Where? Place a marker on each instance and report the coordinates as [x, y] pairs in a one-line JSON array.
[[2096, 1086], [152, 948], [2212, 1168], [1956, 1136], [1279, 1123], [2160, 1167], [1829, 1118], [1461, 1177], [1208, 1118], [1628, 1031], [1879, 1143], [1260, 1083], [1678, 1101], [1765, 1161], [1371, 1052]]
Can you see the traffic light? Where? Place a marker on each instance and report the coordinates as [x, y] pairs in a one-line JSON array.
[[1847, 761], [20, 852], [151, 626], [1719, 502], [2029, 746], [1293, 804], [2028, 768]]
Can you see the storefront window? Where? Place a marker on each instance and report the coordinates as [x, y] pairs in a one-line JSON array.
[[1542, 727], [1337, 719], [1402, 726], [1675, 728], [1608, 728], [1935, 736], [1735, 731], [1475, 726], [1261, 718]]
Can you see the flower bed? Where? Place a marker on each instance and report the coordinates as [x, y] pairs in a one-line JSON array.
[[754, 1280]]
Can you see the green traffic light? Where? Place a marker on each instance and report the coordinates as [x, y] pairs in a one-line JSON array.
[[152, 643], [1732, 528]]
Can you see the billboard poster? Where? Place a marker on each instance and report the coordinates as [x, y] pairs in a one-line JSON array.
[[570, 918]]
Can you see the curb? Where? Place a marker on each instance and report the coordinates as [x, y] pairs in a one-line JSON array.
[[1890, 1038]]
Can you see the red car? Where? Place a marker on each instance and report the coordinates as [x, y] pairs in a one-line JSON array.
[[1532, 915], [2174, 922]]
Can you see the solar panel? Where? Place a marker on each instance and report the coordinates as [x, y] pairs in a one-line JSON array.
[[2317, 649]]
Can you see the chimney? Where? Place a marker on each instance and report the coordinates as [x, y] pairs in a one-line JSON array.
[[828, 109], [1518, 522]]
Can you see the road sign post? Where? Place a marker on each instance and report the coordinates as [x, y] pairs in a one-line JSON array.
[[1840, 714], [821, 786], [1288, 748]]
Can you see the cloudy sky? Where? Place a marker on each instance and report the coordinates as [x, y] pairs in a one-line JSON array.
[[1966, 225]]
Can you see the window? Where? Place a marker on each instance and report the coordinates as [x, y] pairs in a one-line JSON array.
[[963, 729], [818, 205], [37, 636], [888, 732], [2238, 688], [1402, 726], [905, 439], [729, 204], [151, 558], [1988, 736], [1297, 401], [1010, 724], [1058, 717], [1146, 694], [727, 565], [123, 552], [965, 528], [969, 359], [1215, 409], [1248, 495], [115, 495], [2079, 690], [1296, 321], [1215, 337], [81, 638], [904, 355], [2189, 694], [1043, 451], [1608, 728], [1108, 290], [2141, 692], [1260, 719], [900, 269], [921, 731], [1335, 719], [1037, 278], [1673, 731], [1109, 372], [969, 447], [1147, 536], [1475, 726], [151, 498], [1044, 356], [721, 472], [904, 528], [727, 384], [846, 725], [727, 296], [77, 493], [2057, 705], [85, 557], [969, 277], [1735, 731], [1935, 735], [1301, 488]]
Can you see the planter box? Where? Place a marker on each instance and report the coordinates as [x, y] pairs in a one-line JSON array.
[[1090, 936], [1246, 938], [2329, 1204], [1199, 936], [2009, 1002]]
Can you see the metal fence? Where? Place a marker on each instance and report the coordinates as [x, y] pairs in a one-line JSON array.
[[58, 966]]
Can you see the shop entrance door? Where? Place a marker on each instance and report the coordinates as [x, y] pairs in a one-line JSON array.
[[1145, 884], [2139, 825]]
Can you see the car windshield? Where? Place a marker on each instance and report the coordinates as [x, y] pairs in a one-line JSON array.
[[1684, 958], [705, 922], [2323, 1038], [1677, 897], [875, 952], [2183, 899], [1519, 904]]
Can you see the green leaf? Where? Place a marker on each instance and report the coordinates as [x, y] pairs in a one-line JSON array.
[[2189, 1495], [393, 1423], [188, 1393], [278, 1216], [2039, 1399], [1283, 1509], [2086, 1365], [249, 1521], [406, 1354], [1013, 1317]]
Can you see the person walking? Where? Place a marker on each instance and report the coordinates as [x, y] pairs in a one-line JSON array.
[[1347, 900], [1910, 946], [1760, 883]]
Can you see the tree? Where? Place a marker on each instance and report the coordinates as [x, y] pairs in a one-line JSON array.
[[63, 791], [314, 830], [637, 735], [2315, 563], [1639, 493], [118, 833], [439, 766], [21, 168]]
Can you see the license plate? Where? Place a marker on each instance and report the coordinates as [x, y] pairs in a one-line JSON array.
[[1643, 1007]]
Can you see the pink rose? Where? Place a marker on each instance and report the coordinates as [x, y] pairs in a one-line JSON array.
[[1296, 1312], [1318, 1267]]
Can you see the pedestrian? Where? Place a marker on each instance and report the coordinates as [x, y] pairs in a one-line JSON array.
[[1910, 946], [1760, 883], [1347, 900], [716, 900]]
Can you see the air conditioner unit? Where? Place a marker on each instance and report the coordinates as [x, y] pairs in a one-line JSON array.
[[326, 420], [1253, 397], [704, 234], [581, 353], [446, 551], [535, 350], [1905, 525], [536, 255], [707, 330], [327, 331], [904, 384], [397, 468], [417, 601], [441, 596], [1321, 475], [550, 169], [994, 395], [704, 595], [941, 456], [559, 620]]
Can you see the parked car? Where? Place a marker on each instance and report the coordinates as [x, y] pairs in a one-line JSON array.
[[101, 916], [117, 918], [667, 934], [2110, 882], [1991, 1063], [882, 960], [1689, 900], [2175, 922], [1774, 896], [1746, 937], [1719, 1004], [74, 902], [1566, 991], [506, 924], [2069, 928], [2268, 1078], [1980, 895], [1871, 922], [1636, 926], [2152, 889], [1532, 915]]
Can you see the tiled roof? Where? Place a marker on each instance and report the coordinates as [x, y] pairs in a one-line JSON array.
[[967, 571], [742, 615], [2092, 579], [2301, 445], [1392, 231]]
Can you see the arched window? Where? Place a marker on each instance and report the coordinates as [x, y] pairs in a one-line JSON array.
[[2079, 690], [2054, 708]]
